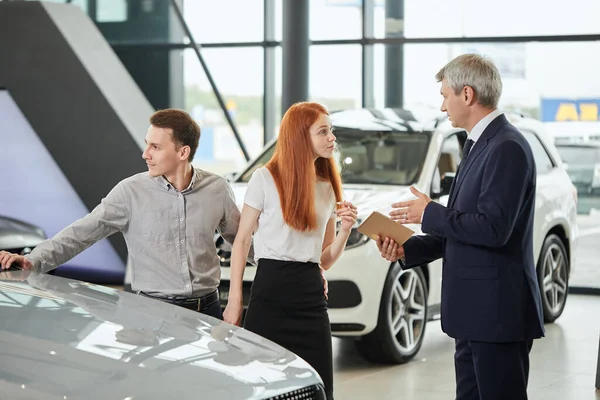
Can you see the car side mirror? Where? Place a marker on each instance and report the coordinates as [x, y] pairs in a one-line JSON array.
[[445, 185]]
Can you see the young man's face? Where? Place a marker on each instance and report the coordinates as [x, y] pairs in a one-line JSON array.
[[162, 155]]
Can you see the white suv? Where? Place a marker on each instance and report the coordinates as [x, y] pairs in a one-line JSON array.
[[382, 153]]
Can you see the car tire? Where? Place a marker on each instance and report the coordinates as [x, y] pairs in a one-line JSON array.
[[553, 277], [402, 319]]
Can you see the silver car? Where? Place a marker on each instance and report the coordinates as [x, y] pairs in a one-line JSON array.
[[66, 339]]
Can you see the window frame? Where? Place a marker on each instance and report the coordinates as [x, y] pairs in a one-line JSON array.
[[543, 145]]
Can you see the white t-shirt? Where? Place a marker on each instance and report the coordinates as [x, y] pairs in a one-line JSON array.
[[274, 238]]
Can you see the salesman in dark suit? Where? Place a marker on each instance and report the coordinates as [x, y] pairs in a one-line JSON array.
[[491, 303]]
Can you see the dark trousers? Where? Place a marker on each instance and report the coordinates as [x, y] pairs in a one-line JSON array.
[[491, 371], [213, 308]]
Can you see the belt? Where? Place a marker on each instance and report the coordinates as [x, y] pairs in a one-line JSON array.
[[194, 303]]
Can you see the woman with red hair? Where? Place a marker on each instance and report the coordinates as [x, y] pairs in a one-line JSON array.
[[290, 205]]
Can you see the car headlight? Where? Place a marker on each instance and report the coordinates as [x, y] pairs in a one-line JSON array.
[[223, 250], [355, 238]]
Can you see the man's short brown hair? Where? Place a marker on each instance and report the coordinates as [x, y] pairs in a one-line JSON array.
[[186, 131]]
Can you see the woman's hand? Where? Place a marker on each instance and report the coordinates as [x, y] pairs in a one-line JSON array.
[[233, 312], [347, 213], [325, 284]]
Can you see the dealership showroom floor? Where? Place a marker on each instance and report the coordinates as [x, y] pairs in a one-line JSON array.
[[563, 364]]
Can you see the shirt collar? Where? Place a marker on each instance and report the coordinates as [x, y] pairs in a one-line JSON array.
[[165, 183], [195, 176], [479, 128]]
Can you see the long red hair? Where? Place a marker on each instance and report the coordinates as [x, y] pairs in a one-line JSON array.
[[295, 170]]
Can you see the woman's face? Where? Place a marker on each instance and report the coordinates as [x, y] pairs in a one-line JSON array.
[[322, 137]]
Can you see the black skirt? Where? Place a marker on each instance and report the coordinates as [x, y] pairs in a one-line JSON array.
[[288, 306]]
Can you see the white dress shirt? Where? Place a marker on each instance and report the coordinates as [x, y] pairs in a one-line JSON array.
[[479, 127]]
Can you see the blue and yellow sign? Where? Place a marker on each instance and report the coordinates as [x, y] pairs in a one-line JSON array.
[[564, 110]]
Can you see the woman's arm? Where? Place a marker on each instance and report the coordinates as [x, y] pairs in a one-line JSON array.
[[239, 254]]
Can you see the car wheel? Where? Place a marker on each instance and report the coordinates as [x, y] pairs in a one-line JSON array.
[[553, 277], [402, 319]]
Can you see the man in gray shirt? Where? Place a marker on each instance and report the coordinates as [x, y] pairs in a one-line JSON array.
[[168, 217]]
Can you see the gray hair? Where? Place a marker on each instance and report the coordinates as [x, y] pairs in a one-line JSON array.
[[477, 72]]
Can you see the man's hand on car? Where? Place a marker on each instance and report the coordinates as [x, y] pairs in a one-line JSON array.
[[10, 259]]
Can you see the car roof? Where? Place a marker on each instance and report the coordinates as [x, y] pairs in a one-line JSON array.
[[523, 122], [581, 145], [79, 337], [384, 120], [417, 119]]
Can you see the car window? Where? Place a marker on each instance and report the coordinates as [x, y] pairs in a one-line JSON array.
[[543, 162], [382, 157], [394, 158], [579, 155], [260, 161], [448, 161]]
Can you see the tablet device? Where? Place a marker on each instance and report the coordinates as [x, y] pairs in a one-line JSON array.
[[380, 225]]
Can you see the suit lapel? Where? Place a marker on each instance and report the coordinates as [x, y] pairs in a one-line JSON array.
[[476, 150]]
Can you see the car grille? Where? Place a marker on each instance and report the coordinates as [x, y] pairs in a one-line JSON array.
[[314, 392]]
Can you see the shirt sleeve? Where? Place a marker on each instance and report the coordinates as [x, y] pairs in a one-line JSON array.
[[110, 216], [333, 206], [255, 193], [230, 221]]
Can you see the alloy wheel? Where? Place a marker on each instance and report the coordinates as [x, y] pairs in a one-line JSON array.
[[406, 310], [554, 283]]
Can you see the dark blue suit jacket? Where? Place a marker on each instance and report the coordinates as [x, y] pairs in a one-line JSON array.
[[485, 237]]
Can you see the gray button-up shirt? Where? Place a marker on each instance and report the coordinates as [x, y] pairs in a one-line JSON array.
[[169, 234]]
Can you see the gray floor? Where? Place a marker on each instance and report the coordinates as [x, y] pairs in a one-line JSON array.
[[563, 364]]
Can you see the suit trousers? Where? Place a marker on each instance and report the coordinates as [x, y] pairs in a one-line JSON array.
[[491, 371]]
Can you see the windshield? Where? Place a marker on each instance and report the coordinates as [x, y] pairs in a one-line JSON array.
[[579, 155], [392, 158]]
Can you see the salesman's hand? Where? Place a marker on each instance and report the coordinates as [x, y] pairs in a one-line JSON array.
[[411, 211], [233, 312], [389, 249], [8, 259]]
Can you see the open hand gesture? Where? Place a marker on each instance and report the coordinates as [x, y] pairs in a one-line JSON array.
[[411, 211]]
